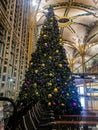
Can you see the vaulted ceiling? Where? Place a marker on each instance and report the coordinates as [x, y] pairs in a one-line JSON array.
[[78, 22]]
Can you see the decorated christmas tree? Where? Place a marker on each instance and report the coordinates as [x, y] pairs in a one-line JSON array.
[[49, 79]]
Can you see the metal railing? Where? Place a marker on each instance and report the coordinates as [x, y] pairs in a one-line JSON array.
[[89, 67], [8, 113]]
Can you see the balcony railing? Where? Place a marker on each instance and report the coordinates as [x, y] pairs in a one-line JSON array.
[[89, 67]]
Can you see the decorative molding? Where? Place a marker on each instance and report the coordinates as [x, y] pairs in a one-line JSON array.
[[64, 21], [74, 5], [95, 2]]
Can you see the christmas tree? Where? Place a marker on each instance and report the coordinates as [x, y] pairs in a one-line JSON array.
[[49, 77]]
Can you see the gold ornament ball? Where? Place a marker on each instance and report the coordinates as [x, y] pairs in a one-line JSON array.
[[55, 90], [60, 43], [49, 103], [49, 84], [62, 104], [43, 65], [57, 51], [60, 40], [50, 74], [35, 85], [50, 57], [60, 65], [36, 71], [37, 93], [46, 44], [49, 95], [45, 35]]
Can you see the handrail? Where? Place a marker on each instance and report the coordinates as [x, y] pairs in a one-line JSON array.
[[87, 116], [76, 122], [85, 62], [12, 119], [11, 101]]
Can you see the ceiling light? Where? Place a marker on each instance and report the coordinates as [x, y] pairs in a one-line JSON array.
[[34, 3]]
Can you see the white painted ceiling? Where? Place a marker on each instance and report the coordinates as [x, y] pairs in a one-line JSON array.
[[82, 30]]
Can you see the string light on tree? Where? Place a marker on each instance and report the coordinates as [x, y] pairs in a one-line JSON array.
[[49, 103]]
